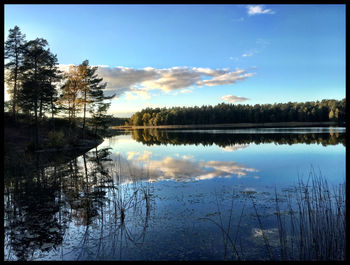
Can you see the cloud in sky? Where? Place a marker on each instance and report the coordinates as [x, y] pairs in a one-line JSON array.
[[136, 83], [249, 53], [225, 79], [258, 9], [233, 99], [261, 45]]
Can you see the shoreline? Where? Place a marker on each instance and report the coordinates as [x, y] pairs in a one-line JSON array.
[[234, 125]]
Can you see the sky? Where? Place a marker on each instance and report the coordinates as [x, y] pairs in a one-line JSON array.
[[194, 55]]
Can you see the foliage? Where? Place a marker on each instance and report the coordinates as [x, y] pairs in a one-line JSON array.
[[319, 111], [115, 121], [38, 87], [14, 55], [165, 137]]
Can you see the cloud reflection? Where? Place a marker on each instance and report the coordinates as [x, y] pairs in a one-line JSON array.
[[234, 147], [139, 167]]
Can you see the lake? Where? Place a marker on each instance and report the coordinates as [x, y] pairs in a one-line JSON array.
[[225, 194]]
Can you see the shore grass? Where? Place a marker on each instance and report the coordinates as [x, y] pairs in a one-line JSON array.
[[308, 223], [316, 228]]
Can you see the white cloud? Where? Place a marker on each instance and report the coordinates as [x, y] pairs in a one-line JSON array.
[[132, 154], [135, 83], [232, 98], [179, 169], [135, 93], [225, 169], [64, 67], [250, 53], [225, 79], [258, 9], [176, 169], [184, 90], [145, 156], [121, 79], [188, 157], [235, 147], [261, 43]]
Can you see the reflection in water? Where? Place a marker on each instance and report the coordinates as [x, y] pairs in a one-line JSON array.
[[147, 204], [41, 204], [234, 147], [32, 214], [178, 169], [159, 137]]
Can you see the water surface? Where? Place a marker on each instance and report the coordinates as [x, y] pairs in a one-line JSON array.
[[166, 194]]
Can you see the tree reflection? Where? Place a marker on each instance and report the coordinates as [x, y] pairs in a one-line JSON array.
[[32, 218], [161, 137], [41, 202]]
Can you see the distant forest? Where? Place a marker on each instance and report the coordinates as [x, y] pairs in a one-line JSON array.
[[319, 111]]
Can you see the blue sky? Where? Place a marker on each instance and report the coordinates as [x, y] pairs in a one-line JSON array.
[[187, 55]]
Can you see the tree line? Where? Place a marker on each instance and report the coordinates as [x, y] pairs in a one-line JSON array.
[[311, 111], [38, 89], [164, 137]]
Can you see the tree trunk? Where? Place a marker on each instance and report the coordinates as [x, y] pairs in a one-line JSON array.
[[85, 167], [52, 114], [52, 108], [14, 94], [36, 125], [84, 113], [36, 108], [73, 110], [41, 107]]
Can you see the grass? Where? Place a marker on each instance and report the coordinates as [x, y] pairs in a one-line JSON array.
[[309, 219], [316, 228]]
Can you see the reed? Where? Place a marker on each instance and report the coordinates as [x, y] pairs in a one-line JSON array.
[[315, 228], [309, 218]]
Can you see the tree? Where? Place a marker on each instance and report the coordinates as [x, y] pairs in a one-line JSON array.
[[87, 76], [70, 99], [36, 61], [229, 113], [54, 77], [98, 102], [145, 118], [14, 53]]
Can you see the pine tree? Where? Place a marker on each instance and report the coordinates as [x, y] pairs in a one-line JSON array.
[[98, 104], [14, 53], [34, 93], [54, 77], [87, 75]]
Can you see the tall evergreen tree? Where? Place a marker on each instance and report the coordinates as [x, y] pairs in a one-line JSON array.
[[33, 95], [14, 55], [98, 103], [55, 76], [88, 75]]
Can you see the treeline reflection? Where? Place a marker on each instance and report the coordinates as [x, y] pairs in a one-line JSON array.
[[164, 137], [43, 203]]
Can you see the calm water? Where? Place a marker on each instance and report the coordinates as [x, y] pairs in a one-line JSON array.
[[165, 195]]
